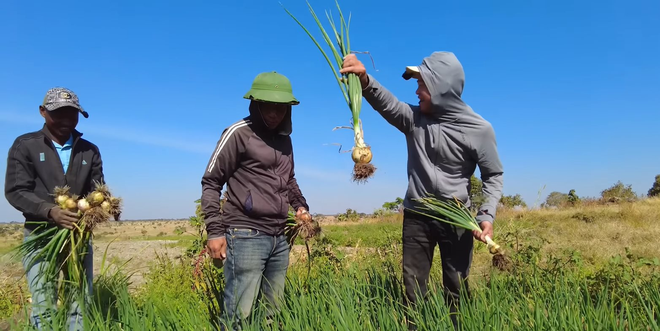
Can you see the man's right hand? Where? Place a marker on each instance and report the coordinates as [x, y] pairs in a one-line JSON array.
[[63, 218], [352, 65], [217, 247]]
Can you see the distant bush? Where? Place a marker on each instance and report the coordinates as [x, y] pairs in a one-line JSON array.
[[349, 216], [556, 199], [618, 193], [380, 212], [179, 230], [654, 191], [573, 198], [476, 195], [512, 201]]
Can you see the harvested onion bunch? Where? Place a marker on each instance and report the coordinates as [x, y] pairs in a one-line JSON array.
[[455, 213], [64, 249], [305, 227], [350, 86]]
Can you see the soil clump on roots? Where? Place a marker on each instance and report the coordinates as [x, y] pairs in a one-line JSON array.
[[362, 172], [501, 262]]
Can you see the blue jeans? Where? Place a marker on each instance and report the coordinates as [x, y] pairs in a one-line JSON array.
[[44, 295], [254, 261]]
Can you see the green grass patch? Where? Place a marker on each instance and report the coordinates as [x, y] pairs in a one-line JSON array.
[[551, 295], [369, 234]]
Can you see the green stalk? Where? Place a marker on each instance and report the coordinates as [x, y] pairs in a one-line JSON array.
[[334, 71], [454, 213], [349, 84]]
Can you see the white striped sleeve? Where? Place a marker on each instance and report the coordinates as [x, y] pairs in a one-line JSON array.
[[222, 164]]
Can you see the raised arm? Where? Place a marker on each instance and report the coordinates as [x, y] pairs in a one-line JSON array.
[[491, 170], [397, 113], [20, 184], [221, 166]]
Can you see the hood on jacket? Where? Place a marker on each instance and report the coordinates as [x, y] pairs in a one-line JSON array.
[[285, 128], [444, 77]]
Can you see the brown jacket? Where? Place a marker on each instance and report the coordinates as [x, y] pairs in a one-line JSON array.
[[257, 166]]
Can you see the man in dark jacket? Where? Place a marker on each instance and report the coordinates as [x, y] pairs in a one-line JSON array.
[[446, 141], [39, 161], [254, 157]]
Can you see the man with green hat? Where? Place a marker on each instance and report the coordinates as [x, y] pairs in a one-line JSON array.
[[254, 158]]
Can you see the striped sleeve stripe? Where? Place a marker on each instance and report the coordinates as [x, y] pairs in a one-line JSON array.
[[224, 140]]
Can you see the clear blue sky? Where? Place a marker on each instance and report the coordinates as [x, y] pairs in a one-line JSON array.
[[571, 88]]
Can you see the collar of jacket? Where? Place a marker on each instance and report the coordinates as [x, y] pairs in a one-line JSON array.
[[285, 128], [76, 134]]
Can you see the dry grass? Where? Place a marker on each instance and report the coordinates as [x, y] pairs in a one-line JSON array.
[[597, 232]]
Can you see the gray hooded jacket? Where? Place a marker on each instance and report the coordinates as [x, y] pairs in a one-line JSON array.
[[443, 148]]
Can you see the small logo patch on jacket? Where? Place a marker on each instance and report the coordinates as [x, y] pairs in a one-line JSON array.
[[84, 162], [42, 157]]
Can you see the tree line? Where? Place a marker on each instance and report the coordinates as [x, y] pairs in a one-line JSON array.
[[619, 192]]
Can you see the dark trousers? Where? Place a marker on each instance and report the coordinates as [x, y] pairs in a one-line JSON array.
[[420, 236]]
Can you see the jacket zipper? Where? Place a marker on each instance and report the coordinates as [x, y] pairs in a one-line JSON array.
[[71, 157], [58, 164], [59, 160]]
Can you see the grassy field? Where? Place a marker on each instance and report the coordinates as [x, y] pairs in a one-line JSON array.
[[582, 268]]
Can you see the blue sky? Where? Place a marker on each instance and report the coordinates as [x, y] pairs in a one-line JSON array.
[[570, 87]]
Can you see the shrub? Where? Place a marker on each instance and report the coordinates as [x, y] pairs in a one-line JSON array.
[[556, 199], [512, 201], [654, 191], [619, 192]]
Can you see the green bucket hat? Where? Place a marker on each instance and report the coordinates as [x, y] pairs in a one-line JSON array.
[[271, 87]]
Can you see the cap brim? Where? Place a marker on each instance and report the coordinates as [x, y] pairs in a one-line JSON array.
[[411, 72], [57, 105], [271, 96]]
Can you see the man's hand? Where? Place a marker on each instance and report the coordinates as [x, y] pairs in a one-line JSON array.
[[300, 211], [63, 218], [217, 248], [486, 230], [303, 215], [353, 66]]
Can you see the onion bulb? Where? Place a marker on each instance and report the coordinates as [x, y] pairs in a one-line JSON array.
[[97, 198], [61, 199], [361, 154], [305, 216], [105, 205], [70, 204], [83, 205]]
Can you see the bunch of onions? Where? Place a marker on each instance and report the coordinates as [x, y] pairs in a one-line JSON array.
[[350, 86], [455, 213], [64, 249], [304, 227]]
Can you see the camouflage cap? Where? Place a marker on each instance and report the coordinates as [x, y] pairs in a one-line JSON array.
[[62, 97]]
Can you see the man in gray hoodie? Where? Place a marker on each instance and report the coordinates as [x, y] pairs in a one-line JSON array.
[[446, 141]]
